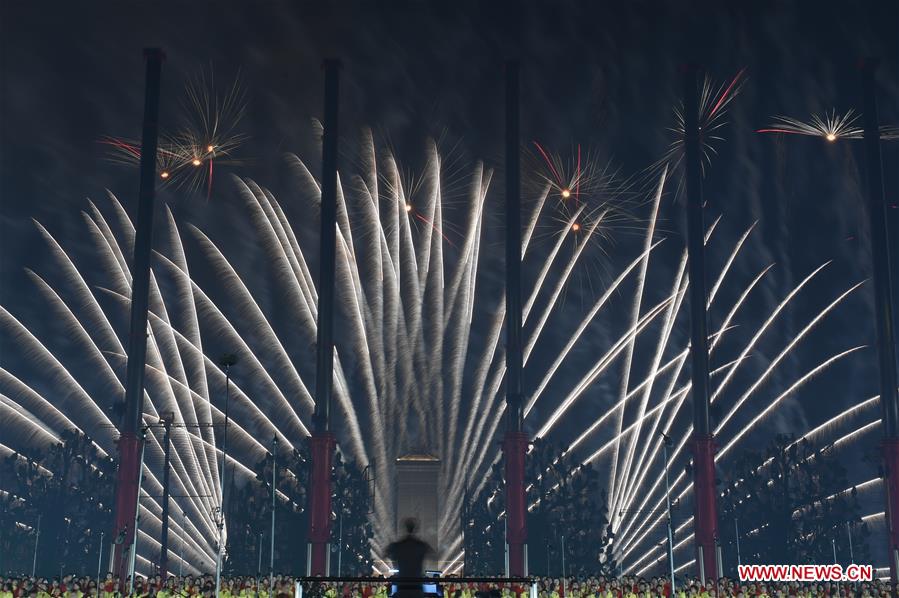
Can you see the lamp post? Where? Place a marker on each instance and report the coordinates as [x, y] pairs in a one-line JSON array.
[[271, 556], [181, 544], [226, 361], [140, 480], [37, 539], [849, 535], [564, 579], [340, 542], [164, 542], [666, 442], [259, 563], [100, 556]]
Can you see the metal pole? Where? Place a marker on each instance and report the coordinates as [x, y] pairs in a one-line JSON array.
[[513, 250], [140, 481], [704, 502], [164, 542], [720, 570], [271, 556], [99, 557], [259, 564], [547, 557], [515, 443], [701, 565], [833, 543], [323, 442], [506, 546], [127, 474], [181, 545], [37, 539], [324, 380], [218, 556], [737, 534], [849, 535], [665, 441], [227, 361], [340, 540], [564, 579]]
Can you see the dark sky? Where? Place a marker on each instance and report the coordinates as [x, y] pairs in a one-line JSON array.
[[600, 74]]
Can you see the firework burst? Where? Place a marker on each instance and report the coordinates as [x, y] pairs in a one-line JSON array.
[[588, 204], [829, 126], [209, 137], [714, 101]]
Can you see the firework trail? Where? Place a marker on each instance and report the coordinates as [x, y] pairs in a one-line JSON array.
[[419, 361]]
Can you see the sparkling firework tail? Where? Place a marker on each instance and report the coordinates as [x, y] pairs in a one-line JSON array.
[[752, 388], [408, 290]]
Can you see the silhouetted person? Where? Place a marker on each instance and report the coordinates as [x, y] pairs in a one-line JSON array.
[[409, 556]]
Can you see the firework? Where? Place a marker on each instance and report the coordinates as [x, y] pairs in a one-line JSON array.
[[714, 102], [587, 204], [209, 137], [419, 360], [830, 126]]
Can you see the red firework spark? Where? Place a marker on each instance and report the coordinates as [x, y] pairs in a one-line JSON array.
[[432, 225]]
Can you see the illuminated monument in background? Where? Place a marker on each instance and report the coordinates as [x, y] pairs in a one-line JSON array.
[[417, 484]]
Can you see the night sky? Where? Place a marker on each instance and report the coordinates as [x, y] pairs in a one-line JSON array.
[[601, 74]]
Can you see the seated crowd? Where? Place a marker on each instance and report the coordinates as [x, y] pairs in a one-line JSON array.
[[203, 586]]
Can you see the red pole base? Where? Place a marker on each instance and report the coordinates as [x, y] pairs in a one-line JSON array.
[[890, 452], [125, 499], [705, 511], [323, 445], [515, 448]]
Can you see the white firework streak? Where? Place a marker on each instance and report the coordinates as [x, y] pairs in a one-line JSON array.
[[632, 528], [413, 345], [635, 536]]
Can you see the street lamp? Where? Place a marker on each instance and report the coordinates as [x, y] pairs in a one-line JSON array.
[[226, 361], [271, 556], [140, 481], [666, 442]]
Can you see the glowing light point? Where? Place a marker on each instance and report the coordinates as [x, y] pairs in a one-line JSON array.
[[164, 174], [196, 162], [831, 137], [210, 148], [575, 227], [566, 193], [408, 207]]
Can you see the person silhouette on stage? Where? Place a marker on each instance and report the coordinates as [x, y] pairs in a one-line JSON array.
[[409, 556]]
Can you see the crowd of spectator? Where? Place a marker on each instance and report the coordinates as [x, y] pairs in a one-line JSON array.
[[282, 586]]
